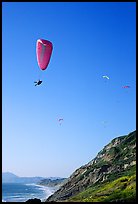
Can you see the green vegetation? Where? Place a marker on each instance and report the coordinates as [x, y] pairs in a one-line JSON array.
[[131, 171], [122, 189]]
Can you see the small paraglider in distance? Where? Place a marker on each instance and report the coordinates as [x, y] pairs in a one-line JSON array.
[[125, 87], [60, 120], [106, 77], [37, 83]]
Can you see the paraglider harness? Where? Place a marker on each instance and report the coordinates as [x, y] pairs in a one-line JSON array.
[[37, 82]]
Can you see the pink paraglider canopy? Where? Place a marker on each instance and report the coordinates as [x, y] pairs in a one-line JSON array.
[[43, 52], [125, 87]]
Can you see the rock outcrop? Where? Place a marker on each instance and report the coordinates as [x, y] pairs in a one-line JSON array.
[[35, 200]]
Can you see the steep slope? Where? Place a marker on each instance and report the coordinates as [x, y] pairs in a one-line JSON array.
[[122, 189], [117, 159]]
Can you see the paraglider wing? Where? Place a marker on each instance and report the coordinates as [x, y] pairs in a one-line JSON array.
[[106, 77], [126, 87], [43, 51], [60, 119]]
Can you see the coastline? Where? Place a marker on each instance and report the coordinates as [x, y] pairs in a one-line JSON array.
[[48, 191], [41, 192]]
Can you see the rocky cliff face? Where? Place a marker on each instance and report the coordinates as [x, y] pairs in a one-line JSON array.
[[116, 158], [52, 183]]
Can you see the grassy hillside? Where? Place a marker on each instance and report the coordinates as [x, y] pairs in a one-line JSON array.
[[122, 189]]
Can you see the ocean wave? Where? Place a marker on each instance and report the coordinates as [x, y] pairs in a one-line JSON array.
[[24, 193], [30, 184], [47, 190]]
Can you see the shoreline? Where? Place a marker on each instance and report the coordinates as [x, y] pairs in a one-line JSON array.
[[43, 193], [48, 190]]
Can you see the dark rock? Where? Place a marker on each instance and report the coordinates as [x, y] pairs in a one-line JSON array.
[[35, 200]]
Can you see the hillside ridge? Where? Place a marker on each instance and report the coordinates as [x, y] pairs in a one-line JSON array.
[[116, 159]]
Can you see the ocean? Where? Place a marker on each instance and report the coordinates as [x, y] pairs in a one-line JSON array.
[[15, 192]]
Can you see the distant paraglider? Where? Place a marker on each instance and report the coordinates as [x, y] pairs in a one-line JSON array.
[[106, 77], [125, 87], [60, 120], [43, 52]]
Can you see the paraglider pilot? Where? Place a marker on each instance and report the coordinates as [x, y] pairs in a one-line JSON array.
[[37, 82]]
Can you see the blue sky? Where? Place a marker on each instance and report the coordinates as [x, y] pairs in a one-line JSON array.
[[89, 40]]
